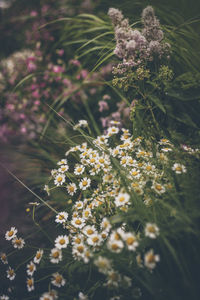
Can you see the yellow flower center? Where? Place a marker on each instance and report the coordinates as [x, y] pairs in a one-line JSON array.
[[62, 241], [130, 240], [56, 254], [10, 233], [78, 222], [80, 249], [90, 231], [95, 239]]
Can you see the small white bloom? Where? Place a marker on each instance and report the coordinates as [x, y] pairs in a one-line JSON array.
[[58, 280], [30, 268], [78, 222], [63, 168], [10, 234], [150, 259], [103, 264], [79, 169], [122, 199], [38, 256], [85, 183], [61, 241], [30, 284], [10, 273], [71, 188], [18, 242], [178, 168], [61, 217], [151, 230], [62, 162], [60, 179], [55, 255]]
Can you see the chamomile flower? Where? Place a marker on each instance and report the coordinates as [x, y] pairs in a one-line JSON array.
[[59, 179], [71, 188], [122, 199], [61, 241], [3, 257], [79, 205], [130, 240], [79, 169], [105, 225], [46, 296], [103, 264], [112, 130], [63, 168], [38, 256], [18, 242], [62, 162], [151, 230], [78, 222], [58, 280], [30, 268], [178, 168], [30, 284], [115, 245], [86, 213], [160, 189], [61, 217], [10, 234], [4, 297], [89, 230], [94, 240], [150, 259], [55, 255], [85, 183], [10, 273], [113, 279], [81, 123], [135, 173]]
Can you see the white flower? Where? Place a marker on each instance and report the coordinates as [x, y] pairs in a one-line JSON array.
[[112, 130], [130, 240], [30, 284], [60, 179], [103, 264], [18, 242], [79, 205], [61, 241], [10, 273], [46, 296], [63, 168], [55, 255], [122, 199], [79, 169], [178, 168], [150, 259], [115, 245], [58, 280], [151, 230], [89, 230], [4, 297], [85, 183], [95, 239], [10, 234], [62, 162], [71, 188], [3, 257], [61, 217], [158, 188], [78, 222], [81, 296], [105, 225], [38, 256], [30, 268], [81, 123]]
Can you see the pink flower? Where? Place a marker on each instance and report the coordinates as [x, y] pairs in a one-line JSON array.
[[103, 105]]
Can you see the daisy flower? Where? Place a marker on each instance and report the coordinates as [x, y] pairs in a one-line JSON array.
[[151, 230], [150, 259], [61, 217], [4, 297], [46, 296], [71, 188], [18, 242], [38, 256], [62, 162], [95, 239], [89, 230], [81, 123], [10, 273], [85, 183], [55, 255], [79, 169], [78, 222], [58, 280], [105, 225], [158, 188], [59, 179], [3, 257], [115, 245], [30, 284], [122, 199], [79, 205], [10, 234], [63, 168], [61, 241], [103, 264], [178, 168], [112, 130], [30, 268], [130, 240]]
